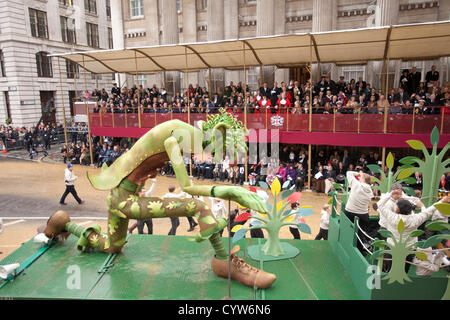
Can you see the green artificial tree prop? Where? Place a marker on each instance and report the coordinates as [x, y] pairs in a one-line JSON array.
[[400, 250], [401, 176], [342, 193], [279, 215], [432, 168]]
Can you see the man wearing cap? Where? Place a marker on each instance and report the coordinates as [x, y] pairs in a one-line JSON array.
[[69, 179]]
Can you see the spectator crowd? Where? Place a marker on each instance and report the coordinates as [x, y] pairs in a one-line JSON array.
[[328, 96]]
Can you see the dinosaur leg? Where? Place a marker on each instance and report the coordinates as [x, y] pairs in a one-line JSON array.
[[111, 242]]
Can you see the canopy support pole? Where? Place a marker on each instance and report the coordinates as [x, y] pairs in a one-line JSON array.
[[139, 91], [310, 110], [62, 103], [189, 104], [245, 112], [88, 118]]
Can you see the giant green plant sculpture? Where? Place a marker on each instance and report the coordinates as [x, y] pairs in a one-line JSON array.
[[279, 215], [432, 168], [401, 176], [342, 193]]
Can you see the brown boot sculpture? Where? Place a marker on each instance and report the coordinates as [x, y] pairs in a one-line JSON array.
[[242, 272]]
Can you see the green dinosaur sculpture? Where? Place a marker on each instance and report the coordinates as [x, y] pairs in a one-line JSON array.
[[127, 175]]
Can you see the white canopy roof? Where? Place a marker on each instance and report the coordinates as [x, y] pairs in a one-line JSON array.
[[418, 41]]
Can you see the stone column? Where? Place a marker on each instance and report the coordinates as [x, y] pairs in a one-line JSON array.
[[265, 26], [189, 13], [386, 14], [280, 28], [118, 33], [169, 21], [215, 18], [324, 19], [216, 31], [231, 31]]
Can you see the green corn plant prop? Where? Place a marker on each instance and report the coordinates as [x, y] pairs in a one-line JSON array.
[[432, 168], [401, 176], [279, 215]]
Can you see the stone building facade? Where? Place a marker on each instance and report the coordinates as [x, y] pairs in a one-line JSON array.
[[153, 22], [32, 29]]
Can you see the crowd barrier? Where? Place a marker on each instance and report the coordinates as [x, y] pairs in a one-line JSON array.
[[359, 122]]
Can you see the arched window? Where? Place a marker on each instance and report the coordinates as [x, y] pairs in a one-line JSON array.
[[44, 65]]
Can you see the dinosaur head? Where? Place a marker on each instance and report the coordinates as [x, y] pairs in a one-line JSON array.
[[224, 135]]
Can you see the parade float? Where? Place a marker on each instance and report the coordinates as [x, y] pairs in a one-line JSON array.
[[91, 264]]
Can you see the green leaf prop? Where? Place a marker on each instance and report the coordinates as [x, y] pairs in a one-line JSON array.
[[286, 184], [408, 160], [385, 233], [405, 173], [263, 185], [304, 212], [415, 144], [422, 256], [256, 223], [287, 212], [443, 208], [337, 186], [410, 180], [269, 206], [438, 226], [374, 168], [238, 235], [379, 243], [304, 228], [286, 193], [401, 226], [416, 233], [135, 209], [434, 136], [330, 201], [390, 161], [409, 191]]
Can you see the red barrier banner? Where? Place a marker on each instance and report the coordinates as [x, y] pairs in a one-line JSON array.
[[426, 123], [119, 120], [298, 122], [371, 123], [346, 122], [322, 122], [148, 120], [107, 119], [132, 120], [399, 123]]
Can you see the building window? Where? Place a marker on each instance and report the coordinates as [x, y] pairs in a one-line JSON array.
[[90, 6], [2, 65], [408, 65], [253, 78], [72, 70], [44, 65], [110, 39], [65, 2], [38, 23], [179, 6], [108, 8], [92, 35], [137, 8], [354, 72], [140, 80], [68, 30], [95, 76], [202, 4]]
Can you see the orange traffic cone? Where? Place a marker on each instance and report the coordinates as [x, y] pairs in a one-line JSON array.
[[4, 148]]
